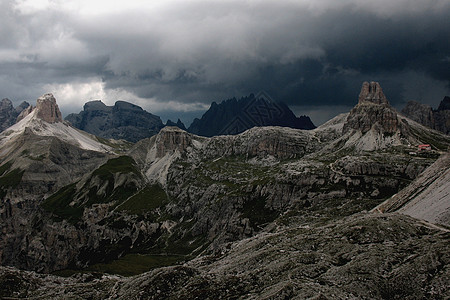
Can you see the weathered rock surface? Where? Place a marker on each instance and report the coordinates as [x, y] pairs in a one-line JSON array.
[[47, 109], [121, 121], [427, 197], [360, 257], [438, 119], [372, 92], [235, 116], [9, 114], [373, 111], [420, 113]]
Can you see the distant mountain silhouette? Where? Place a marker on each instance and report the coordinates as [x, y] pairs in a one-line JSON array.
[[178, 124], [438, 119], [121, 121], [234, 116], [9, 113]]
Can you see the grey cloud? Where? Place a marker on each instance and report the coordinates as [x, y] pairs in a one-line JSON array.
[[305, 53]]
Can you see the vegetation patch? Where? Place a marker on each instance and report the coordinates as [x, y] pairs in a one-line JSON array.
[[122, 164], [5, 167], [59, 205], [128, 265], [148, 199], [10, 180], [257, 212], [121, 146]]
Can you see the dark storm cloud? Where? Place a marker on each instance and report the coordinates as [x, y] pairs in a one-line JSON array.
[[306, 53]]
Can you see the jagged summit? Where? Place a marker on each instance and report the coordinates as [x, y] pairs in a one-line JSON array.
[[373, 93], [9, 114], [445, 104], [47, 109], [380, 117], [234, 116], [45, 120]]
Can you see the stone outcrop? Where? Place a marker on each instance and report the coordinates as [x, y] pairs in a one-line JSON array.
[[9, 114], [372, 92], [47, 109], [372, 112], [172, 139], [121, 121]]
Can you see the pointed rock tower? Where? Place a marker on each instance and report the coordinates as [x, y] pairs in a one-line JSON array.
[[47, 109], [372, 92], [372, 112]]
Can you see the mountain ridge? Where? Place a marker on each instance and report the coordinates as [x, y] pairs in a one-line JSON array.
[[234, 116], [123, 120], [234, 210]]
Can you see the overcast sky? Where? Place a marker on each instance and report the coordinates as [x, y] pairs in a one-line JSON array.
[[174, 58]]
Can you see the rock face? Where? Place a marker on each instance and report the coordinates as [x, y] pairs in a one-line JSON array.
[[372, 112], [235, 116], [9, 114], [372, 92], [121, 121], [438, 119], [427, 196], [47, 109], [420, 113]]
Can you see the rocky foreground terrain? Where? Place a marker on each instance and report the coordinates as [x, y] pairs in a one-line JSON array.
[[338, 212]]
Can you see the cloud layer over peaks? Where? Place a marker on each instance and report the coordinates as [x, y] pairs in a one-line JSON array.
[[181, 55]]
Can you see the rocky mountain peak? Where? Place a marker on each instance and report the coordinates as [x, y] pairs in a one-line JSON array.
[[234, 116], [95, 105], [172, 138], [445, 104], [22, 106], [420, 113], [5, 104], [123, 120], [363, 117], [8, 114], [438, 119], [47, 109], [372, 92]]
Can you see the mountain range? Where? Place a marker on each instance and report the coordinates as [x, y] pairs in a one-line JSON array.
[[349, 210], [121, 121], [234, 116]]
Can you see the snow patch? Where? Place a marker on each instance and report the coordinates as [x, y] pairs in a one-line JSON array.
[[61, 130]]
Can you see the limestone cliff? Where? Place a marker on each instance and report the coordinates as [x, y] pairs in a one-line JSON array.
[[47, 109]]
